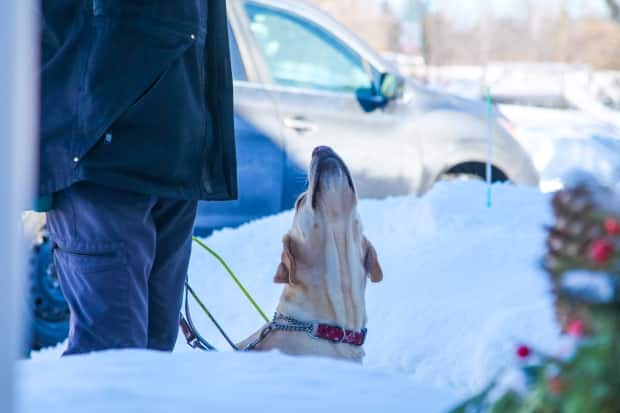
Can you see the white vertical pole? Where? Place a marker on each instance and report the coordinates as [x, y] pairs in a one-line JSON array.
[[18, 125]]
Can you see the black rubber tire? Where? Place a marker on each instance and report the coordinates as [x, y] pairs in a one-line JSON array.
[[473, 171], [48, 310]]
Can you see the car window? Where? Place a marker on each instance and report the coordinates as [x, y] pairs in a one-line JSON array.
[[299, 53], [238, 70]]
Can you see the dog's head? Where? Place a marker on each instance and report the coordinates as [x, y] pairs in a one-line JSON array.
[[326, 214]]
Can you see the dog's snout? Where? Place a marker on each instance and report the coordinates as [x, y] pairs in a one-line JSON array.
[[321, 150], [327, 171]]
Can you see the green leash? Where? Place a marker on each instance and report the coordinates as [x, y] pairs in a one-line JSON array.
[[489, 169], [208, 313], [233, 276]]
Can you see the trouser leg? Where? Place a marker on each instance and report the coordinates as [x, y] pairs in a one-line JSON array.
[[174, 221], [106, 243]]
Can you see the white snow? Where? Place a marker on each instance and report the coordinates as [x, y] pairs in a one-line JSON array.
[[462, 287], [560, 141], [138, 381]]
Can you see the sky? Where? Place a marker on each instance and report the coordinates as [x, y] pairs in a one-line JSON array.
[[469, 11]]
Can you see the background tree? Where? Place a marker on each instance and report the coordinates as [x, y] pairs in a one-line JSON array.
[[537, 34], [375, 22]]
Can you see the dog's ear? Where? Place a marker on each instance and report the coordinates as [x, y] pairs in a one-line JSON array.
[[371, 262], [286, 269]]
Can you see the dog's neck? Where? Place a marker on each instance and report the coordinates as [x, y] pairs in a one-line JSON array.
[[335, 290]]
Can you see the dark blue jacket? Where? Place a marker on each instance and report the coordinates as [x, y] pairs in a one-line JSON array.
[[137, 95]]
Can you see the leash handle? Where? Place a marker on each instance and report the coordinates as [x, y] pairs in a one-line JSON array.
[[192, 336], [233, 276]]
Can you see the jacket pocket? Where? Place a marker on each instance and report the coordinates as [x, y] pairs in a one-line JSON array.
[[148, 91], [90, 260], [96, 284], [126, 63]]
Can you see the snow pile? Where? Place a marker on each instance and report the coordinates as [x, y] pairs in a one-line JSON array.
[[587, 101], [462, 282], [561, 140], [462, 286], [136, 381]]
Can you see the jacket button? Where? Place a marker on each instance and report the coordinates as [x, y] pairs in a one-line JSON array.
[[76, 160], [108, 138], [192, 36]]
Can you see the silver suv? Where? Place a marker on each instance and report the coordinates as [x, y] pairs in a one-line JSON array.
[[303, 80]]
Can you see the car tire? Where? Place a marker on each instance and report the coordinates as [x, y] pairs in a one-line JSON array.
[[47, 308], [472, 171]]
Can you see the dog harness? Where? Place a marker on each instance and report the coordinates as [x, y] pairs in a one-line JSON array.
[[315, 329]]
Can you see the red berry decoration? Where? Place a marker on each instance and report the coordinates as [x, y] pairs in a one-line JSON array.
[[601, 251], [612, 226], [523, 352], [575, 328]]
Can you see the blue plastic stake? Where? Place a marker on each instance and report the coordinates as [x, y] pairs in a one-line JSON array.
[[489, 171]]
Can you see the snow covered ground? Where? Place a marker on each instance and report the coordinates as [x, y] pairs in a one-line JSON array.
[[136, 381], [462, 287], [562, 140]]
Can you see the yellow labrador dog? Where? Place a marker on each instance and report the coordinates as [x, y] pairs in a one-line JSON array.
[[325, 263]]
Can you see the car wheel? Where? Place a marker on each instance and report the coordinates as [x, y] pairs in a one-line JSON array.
[[48, 309], [473, 171]]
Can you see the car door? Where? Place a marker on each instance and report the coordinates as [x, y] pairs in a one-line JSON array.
[[327, 94], [260, 154]]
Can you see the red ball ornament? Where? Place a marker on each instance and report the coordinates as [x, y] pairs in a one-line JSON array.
[[575, 328], [523, 352], [612, 226], [601, 251]]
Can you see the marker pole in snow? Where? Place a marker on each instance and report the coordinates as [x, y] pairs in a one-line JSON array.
[[489, 169], [18, 123]]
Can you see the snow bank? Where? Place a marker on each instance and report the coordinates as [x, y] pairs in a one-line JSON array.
[[138, 381], [462, 282], [561, 140], [462, 286]]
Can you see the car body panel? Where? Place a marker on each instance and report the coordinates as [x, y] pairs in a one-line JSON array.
[[261, 160], [393, 146]]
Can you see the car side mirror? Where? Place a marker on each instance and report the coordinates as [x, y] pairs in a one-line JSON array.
[[391, 86]]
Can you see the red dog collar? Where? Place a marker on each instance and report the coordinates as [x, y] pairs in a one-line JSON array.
[[337, 334], [329, 332]]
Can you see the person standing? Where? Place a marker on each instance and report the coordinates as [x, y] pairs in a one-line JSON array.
[[136, 127]]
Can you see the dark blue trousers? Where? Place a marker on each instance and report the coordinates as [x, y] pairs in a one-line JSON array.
[[122, 258]]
